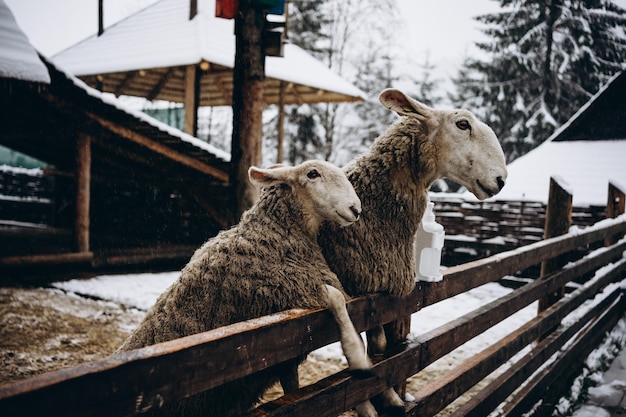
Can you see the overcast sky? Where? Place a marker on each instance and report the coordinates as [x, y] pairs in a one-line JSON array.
[[442, 29], [446, 33]]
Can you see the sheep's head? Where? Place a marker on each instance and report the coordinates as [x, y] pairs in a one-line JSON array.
[[468, 150], [323, 189]]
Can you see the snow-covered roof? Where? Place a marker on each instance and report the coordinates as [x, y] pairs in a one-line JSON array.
[[163, 36], [18, 59], [143, 117], [586, 153], [586, 166]]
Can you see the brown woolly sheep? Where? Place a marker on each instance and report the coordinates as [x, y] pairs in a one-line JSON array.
[[269, 262], [392, 179]]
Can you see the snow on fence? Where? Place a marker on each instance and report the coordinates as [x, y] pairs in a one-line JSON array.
[[538, 357]]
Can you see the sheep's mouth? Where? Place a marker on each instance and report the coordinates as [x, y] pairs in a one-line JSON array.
[[348, 219], [486, 190]]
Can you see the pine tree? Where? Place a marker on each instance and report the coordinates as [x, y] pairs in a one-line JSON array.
[[546, 59]]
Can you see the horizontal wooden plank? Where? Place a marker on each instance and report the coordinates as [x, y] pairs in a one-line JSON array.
[[462, 278], [121, 383], [450, 386], [114, 386], [567, 363], [46, 260], [500, 388], [444, 339]]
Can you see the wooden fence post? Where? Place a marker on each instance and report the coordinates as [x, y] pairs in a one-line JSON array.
[[614, 207], [558, 221], [83, 191]]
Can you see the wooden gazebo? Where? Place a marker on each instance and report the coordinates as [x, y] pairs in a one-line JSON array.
[[169, 51]]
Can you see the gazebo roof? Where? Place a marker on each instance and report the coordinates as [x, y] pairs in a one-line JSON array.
[[146, 55]]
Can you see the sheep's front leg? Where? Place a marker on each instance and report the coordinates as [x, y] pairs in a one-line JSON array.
[[351, 343], [376, 345]]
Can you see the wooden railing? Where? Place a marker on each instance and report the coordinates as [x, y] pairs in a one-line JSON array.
[[130, 383]]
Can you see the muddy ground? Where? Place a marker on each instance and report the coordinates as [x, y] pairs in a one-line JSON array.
[[44, 329]]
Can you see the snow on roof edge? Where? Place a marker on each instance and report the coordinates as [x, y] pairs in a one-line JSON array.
[[18, 58], [583, 108], [110, 100]]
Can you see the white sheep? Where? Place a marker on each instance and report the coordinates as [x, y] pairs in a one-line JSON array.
[[392, 179], [269, 262]]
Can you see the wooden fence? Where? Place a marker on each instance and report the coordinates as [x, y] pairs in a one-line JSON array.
[[552, 349], [478, 229]]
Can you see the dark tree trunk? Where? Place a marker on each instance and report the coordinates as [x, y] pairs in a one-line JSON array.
[[247, 104]]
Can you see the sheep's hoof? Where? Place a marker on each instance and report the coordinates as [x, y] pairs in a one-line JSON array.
[[362, 373]]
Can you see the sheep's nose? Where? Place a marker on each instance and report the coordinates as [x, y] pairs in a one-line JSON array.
[[500, 183], [356, 211]]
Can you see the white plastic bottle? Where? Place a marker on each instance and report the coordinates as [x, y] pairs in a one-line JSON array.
[[428, 243]]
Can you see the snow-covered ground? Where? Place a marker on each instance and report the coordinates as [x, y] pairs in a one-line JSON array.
[[141, 291]]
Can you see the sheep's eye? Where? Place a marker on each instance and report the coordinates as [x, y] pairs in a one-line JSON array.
[[463, 124], [312, 174]]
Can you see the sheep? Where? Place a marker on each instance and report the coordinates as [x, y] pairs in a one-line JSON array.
[[267, 263], [392, 179]]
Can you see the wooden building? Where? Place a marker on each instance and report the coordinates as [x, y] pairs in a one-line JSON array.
[[120, 188]]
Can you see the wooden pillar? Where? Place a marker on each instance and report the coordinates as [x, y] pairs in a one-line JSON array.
[[558, 221], [281, 123], [248, 103], [83, 191], [192, 99], [193, 8], [614, 207], [100, 17]]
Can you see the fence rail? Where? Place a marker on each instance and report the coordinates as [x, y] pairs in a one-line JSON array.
[[129, 383]]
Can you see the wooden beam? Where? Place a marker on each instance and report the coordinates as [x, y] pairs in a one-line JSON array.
[[558, 221], [160, 148], [162, 81], [192, 99], [210, 209], [119, 90], [100, 17], [461, 278], [193, 8], [83, 191], [46, 260], [614, 207], [281, 123]]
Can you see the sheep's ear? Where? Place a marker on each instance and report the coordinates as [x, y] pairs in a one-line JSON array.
[[404, 105], [270, 176]]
